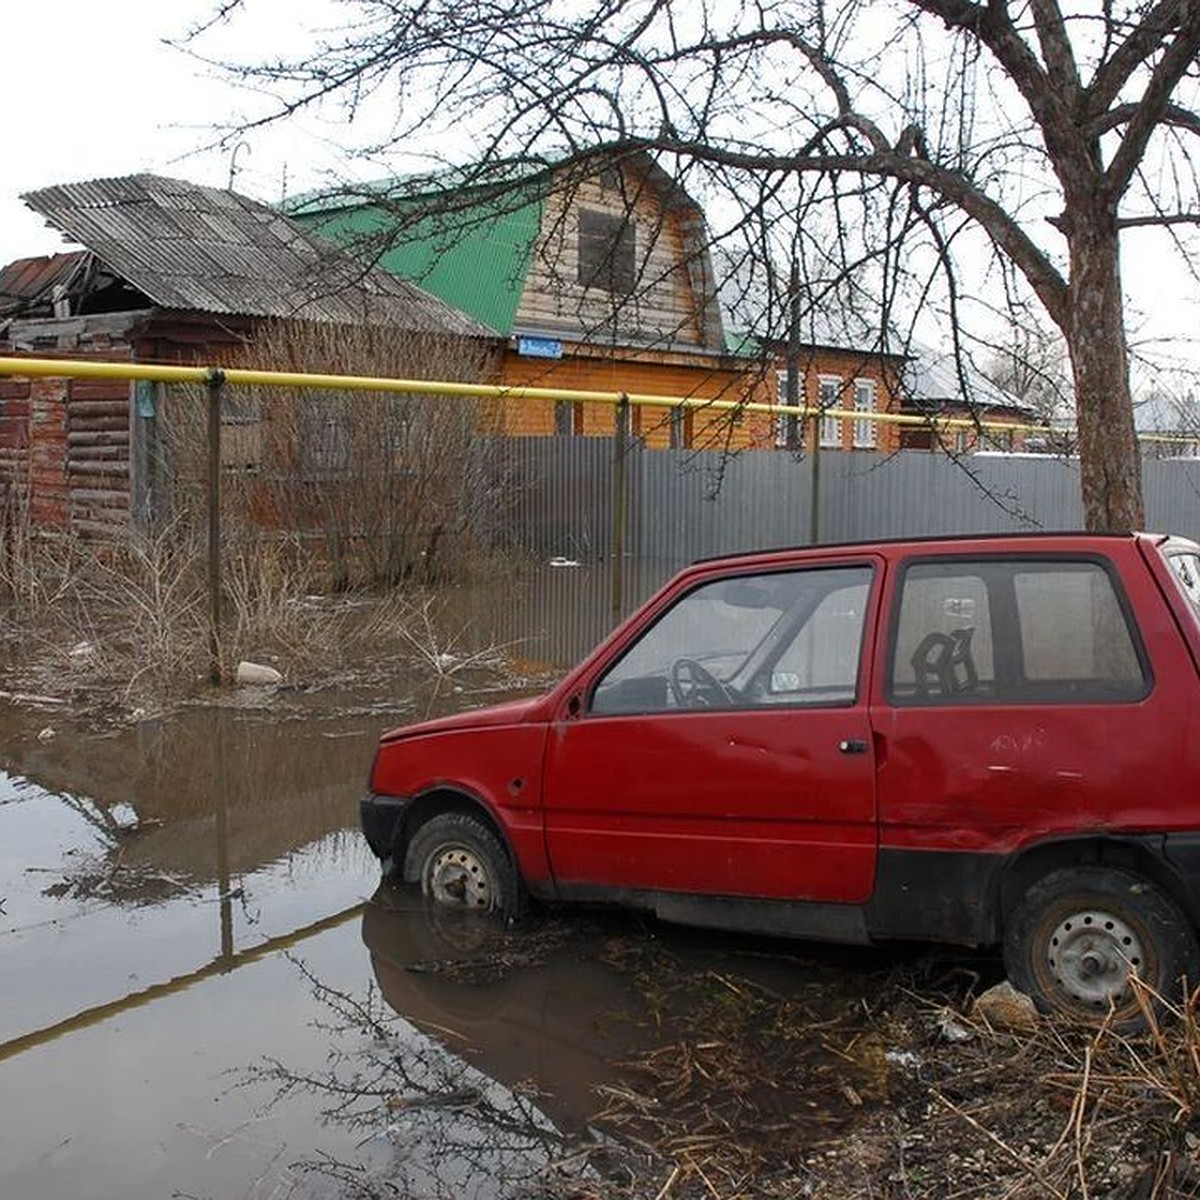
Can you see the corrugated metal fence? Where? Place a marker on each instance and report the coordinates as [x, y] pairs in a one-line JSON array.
[[684, 505]]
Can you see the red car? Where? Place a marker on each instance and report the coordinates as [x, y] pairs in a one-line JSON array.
[[984, 740]]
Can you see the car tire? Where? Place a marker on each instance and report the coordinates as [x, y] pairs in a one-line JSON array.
[[460, 863], [1078, 931]]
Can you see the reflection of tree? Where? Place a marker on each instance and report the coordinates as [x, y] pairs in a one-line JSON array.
[[428, 1123], [740, 1066]]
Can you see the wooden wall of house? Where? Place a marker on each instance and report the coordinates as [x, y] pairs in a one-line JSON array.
[[64, 444], [671, 376], [668, 307], [675, 375]]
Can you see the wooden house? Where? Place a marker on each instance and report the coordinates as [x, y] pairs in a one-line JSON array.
[[598, 276], [170, 272]]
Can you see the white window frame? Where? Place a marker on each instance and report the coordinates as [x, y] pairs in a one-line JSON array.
[[865, 433], [782, 420], [830, 396]]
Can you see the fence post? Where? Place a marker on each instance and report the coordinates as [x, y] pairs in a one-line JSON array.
[[621, 432], [814, 500], [215, 385]]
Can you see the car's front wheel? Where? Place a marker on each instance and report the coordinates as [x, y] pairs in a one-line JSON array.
[[1080, 932], [461, 863]]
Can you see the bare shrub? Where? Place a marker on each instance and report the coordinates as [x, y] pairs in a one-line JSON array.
[[374, 488]]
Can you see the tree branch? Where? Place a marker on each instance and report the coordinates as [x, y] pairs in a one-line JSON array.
[[1111, 76], [1163, 220], [1172, 114], [1051, 108], [1171, 68], [1003, 230]]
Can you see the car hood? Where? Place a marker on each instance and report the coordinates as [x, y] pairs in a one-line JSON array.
[[511, 712]]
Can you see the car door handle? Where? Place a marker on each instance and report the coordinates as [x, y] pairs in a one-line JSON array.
[[853, 746]]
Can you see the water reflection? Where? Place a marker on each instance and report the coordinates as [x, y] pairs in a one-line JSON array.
[[133, 859], [490, 1061], [535, 1008]]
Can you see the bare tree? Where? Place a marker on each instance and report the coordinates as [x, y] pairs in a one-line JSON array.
[[926, 149], [1030, 363]]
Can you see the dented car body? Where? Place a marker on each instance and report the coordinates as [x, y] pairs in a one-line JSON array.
[[985, 740]]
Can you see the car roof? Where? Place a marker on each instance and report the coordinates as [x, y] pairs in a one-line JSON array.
[[1074, 536]]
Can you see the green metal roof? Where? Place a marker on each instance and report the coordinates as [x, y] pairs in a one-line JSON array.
[[475, 257]]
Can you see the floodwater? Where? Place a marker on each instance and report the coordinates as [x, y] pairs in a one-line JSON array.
[[206, 990]]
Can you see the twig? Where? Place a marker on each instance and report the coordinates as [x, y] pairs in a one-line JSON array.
[[1030, 1170]]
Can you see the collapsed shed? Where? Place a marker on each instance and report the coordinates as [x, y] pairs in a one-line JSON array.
[[172, 272]]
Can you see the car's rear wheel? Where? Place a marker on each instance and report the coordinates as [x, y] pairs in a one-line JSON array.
[[460, 863], [1080, 932]]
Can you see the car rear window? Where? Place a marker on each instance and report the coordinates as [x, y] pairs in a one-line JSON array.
[[1014, 631]]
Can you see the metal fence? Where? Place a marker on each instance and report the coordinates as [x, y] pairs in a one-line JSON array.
[[681, 505], [561, 536]]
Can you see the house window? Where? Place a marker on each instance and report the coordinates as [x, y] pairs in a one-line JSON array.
[[789, 430], [568, 418], [606, 251], [680, 427], [864, 402], [241, 430], [830, 390], [325, 436]]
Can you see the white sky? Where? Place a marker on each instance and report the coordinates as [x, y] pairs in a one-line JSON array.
[[89, 89]]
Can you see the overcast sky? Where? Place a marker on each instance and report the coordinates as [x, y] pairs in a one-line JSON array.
[[90, 90]]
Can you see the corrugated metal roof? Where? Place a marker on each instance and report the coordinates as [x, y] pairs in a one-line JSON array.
[[29, 279], [201, 249], [932, 377]]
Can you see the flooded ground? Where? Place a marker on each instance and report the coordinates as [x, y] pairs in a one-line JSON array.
[[206, 991]]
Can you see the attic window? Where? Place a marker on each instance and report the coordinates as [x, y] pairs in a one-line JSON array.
[[606, 251]]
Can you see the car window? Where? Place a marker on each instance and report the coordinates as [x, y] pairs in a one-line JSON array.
[[822, 657], [943, 640], [1186, 570], [1021, 631], [1073, 630], [790, 637]]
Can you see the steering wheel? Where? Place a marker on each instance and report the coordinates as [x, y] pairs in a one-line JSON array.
[[944, 660], [695, 686]]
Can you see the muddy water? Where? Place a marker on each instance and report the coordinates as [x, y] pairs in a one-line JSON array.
[[206, 991]]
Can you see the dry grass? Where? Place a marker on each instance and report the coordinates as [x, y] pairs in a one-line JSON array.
[[756, 1099], [116, 628]]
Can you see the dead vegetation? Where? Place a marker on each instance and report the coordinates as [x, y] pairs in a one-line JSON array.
[[112, 629], [876, 1102], [857, 1078]]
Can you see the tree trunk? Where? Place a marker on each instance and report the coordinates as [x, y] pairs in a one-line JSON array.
[[1110, 460]]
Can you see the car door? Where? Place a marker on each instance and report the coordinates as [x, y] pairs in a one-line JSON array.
[[1018, 700], [726, 749]]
